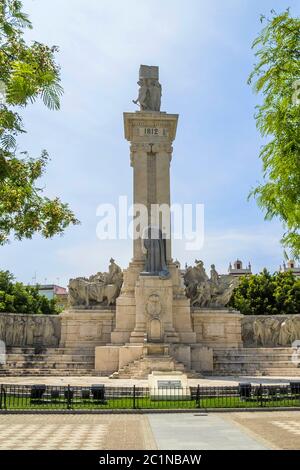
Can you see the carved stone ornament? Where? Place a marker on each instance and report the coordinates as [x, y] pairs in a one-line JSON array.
[[153, 306]]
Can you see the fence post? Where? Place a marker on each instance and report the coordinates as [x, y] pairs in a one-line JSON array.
[[261, 394], [3, 398], [134, 398], [69, 397], [198, 396]]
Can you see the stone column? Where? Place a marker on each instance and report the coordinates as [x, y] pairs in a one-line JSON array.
[[163, 156], [151, 135], [139, 162]]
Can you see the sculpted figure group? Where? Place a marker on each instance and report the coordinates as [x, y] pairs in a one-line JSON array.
[[204, 291], [29, 330], [149, 97], [270, 331], [98, 289]]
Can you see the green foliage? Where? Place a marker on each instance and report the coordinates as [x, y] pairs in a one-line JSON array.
[[266, 294], [277, 76], [27, 72], [15, 297]]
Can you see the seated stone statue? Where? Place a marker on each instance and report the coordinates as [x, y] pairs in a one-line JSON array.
[[204, 292], [155, 247], [98, 289]]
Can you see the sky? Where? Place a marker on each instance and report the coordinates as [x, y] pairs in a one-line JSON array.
[[203, 50]]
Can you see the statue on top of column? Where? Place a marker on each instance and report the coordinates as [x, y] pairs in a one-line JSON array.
[[149, 97]]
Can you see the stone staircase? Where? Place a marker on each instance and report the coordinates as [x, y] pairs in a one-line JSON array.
[[276, 362], [141, 368], [50, 361]]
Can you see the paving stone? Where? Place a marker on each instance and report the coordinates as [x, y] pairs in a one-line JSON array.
[[280, 428], [75, 432]]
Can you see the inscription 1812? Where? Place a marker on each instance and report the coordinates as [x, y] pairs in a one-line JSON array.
[[152, 131]]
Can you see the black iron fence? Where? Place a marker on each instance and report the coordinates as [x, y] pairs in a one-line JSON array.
[[101, 397]]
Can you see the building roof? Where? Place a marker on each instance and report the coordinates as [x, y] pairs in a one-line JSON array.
[[56, 289]]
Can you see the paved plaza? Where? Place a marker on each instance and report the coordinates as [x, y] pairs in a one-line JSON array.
[[198, 431], [76, 432], [86, 381]]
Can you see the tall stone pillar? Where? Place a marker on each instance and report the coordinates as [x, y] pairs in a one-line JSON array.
[[151, 135], [152, 312]]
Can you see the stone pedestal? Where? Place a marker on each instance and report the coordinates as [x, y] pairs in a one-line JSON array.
[[217, 328], [82, 328], [125, 304], [154, 311], [202, 359], [182, 320], [111, 358]]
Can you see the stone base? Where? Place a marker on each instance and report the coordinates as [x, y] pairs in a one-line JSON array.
[[182, 320], [152, 328], [113, 358], [217, 328], [202, 359], [106, 359], [195, 357], [86, 328], [133, 320], [147, 363], [125, 319], [154, 311]]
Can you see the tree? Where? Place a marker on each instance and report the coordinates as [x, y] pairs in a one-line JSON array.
[[266, 294], [27, 72], [277, 76], [15, 297]]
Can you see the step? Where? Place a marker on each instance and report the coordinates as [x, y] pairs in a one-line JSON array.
[[45, 358], [267, 363], [48, 372], [246, 354], [251, 350], [49, 351], [69, 365], [141, 368], [258, 365], [273, 373], [242, 371], [254, 356]]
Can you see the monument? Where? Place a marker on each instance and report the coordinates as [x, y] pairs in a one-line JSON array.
[[154, 322], [152, 318]]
